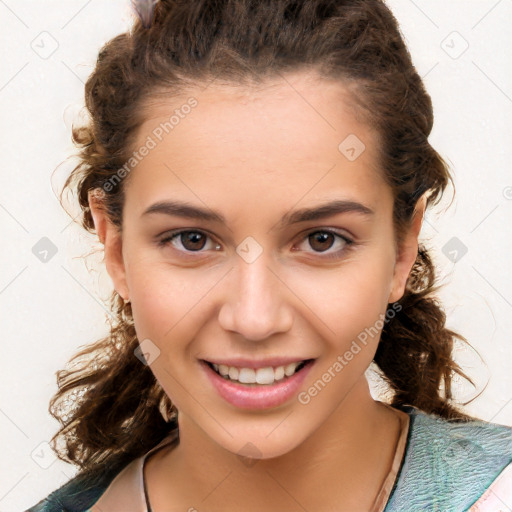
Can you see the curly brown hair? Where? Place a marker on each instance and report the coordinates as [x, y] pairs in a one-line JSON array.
[[116, 415]]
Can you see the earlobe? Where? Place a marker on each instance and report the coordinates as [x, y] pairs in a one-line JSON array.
[[110, 237], [408, 253]]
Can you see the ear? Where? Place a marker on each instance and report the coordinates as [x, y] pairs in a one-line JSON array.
[[408, 252], [110, 236]]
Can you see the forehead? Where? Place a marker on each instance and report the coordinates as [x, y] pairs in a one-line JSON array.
[[296, 135]]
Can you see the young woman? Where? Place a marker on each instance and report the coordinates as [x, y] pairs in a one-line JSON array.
[[258, 172]]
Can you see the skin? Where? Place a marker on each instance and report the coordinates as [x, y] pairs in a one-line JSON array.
[[255, 155]]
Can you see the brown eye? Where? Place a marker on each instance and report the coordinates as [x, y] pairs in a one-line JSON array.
[[186, 241], [321, 240], [192, 240]]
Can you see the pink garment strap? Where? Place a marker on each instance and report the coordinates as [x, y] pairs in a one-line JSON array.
[[126, 492], [498, 496]]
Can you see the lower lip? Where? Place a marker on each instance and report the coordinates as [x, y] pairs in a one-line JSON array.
[[262, 396]]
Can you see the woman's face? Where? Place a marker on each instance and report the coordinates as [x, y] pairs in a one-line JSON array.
[[284, 285]]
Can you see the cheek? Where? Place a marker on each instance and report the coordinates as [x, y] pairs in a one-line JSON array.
[[345, 300], [168, 304]]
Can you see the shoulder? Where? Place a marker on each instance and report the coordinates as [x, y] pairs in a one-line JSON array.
[[76, 495], [123, 482], [449, 464]]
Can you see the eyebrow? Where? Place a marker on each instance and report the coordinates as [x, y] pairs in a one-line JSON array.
[[185, 210]]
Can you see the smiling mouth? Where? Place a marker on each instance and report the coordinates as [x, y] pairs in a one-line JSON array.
[[260, 376]]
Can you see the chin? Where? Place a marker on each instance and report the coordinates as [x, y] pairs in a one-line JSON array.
[[252, 447]]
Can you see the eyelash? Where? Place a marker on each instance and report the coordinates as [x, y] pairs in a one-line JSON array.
[[331, 256]]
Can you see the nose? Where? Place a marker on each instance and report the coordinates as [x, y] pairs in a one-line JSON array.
[[255, 304]]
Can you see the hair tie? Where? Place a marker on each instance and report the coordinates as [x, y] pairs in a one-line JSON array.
[[144, 10]]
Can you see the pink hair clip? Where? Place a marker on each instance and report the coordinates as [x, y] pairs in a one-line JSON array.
[[144, 10]]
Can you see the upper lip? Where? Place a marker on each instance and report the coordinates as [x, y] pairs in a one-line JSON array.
[[254, 363]]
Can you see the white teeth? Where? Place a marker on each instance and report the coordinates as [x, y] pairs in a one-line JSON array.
[[289, 369], [279, 373], [247, 376], [267, 375]]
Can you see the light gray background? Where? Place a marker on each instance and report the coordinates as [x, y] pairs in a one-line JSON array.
[[50, 309]]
